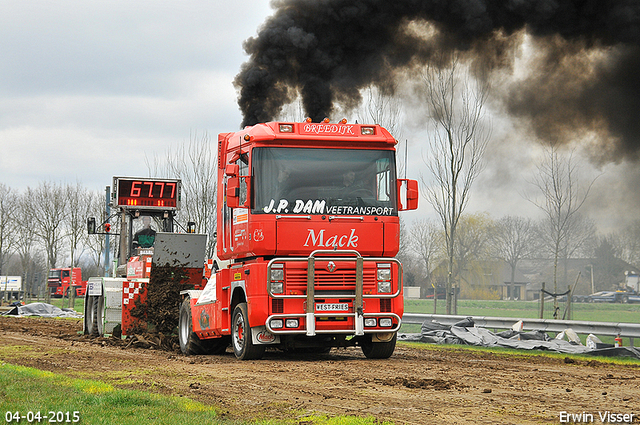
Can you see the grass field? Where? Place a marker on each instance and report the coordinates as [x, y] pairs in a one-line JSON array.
[[29, 395], [598, 312]]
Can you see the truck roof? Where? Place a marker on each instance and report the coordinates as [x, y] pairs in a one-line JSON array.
[[282, 133]]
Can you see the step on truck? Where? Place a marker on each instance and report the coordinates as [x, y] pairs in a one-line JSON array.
[[307, 232]]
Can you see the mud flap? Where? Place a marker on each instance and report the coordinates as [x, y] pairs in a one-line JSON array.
[[261, 335]]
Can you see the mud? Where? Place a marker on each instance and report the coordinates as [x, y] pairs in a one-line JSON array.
[[160, 310], [417, 385]]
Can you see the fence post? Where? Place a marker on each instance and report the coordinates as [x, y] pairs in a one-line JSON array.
[[542, 302], [569, 302]]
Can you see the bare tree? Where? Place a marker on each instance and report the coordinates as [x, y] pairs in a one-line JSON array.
[[383, 109], [293, 111], [628, 243], [25, 243], [47, 206], [78, 200], [471, 248], [458, 142], [8, 208], [427, 242], [195, 164], [562, 197], [95, 243], [513, 239]]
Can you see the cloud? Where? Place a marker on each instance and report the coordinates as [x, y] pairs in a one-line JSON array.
[[87, 89]]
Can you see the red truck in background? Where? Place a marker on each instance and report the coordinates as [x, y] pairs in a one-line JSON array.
[[307, 230], [60, 278]]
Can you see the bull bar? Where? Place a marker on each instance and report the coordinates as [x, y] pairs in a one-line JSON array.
[[359, 296]]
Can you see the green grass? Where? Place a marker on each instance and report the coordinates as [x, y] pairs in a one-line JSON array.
[[599, 312], [24, 389]]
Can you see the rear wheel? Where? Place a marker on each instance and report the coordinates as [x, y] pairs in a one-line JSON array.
[[242, 341], [379, 350], [94, 312], [190, 343]]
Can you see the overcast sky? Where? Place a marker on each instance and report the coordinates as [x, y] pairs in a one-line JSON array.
[[89, 88]]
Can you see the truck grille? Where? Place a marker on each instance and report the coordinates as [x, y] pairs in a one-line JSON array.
[[340, 280]]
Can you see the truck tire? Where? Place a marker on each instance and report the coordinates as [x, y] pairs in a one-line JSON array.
[[241, 339], [94, 309], [379, 350], [190, 343]]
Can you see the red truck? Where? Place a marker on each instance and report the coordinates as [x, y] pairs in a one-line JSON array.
[[308, 228], [60, 278]]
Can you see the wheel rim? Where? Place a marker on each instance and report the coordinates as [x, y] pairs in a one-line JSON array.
[[238, 333], [184, 329], [92, 316]]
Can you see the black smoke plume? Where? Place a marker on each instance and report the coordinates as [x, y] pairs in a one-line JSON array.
[[327, 50]]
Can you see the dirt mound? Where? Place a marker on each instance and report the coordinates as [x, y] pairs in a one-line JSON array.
[[162, 306], [412, 382]]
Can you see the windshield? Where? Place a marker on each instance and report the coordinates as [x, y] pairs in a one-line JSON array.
[[324, 181], [54, 274]]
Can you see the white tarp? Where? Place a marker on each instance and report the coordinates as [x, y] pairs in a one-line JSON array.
[[466, 333], [42, 310]]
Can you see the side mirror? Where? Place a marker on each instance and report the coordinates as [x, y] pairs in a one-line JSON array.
[[91, 225], [233, 192], [410, 199], [232, 170]]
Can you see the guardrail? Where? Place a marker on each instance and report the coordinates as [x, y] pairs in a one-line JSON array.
[[625, 330]]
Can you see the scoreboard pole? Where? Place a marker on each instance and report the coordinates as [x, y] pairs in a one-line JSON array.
[[123, 247], [107, 266]]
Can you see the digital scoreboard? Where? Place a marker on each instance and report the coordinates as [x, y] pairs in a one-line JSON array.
[[147, 192]]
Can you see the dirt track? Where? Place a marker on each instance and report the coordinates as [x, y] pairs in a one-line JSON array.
[[415, 386]]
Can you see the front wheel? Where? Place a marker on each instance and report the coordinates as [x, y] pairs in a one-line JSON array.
[[379, 350], [241, 339]]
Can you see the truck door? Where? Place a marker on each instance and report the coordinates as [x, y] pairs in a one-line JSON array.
[[235, 220]]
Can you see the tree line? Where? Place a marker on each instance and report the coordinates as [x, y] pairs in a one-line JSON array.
[[481, 241], [45, 227]]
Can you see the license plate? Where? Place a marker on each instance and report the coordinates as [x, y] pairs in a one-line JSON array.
[[332, 307]]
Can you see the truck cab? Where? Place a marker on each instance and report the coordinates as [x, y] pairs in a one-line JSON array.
[[308, 218], [59, 280]]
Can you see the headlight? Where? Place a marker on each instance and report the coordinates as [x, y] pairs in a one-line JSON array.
[[384, 274], [277, 287], [277, 274], [292, 323], [384, 287], [386, 323], [276, 324], [370, 322]]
